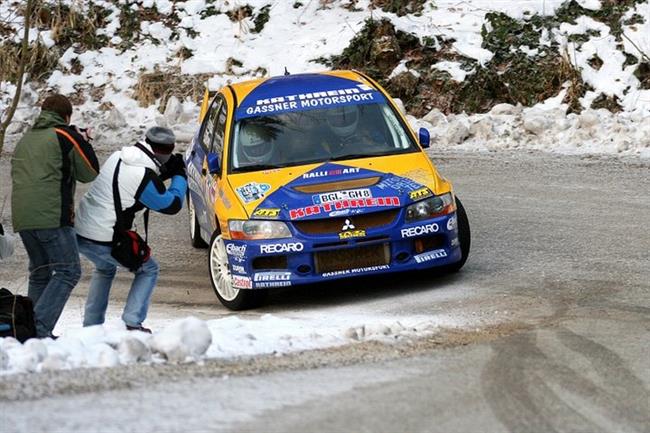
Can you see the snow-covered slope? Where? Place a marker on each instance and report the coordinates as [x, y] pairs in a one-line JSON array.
[[231, 40]]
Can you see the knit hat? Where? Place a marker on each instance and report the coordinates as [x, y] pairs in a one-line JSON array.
[[160, 139]]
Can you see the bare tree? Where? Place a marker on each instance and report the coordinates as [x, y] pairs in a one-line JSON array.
[[20, 74]]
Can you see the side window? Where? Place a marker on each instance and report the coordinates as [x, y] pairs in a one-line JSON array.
[[210, 123], [220, 130]]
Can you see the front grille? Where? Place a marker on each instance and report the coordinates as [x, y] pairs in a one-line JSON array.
[[270, 262], [335, 225], [352, 258]]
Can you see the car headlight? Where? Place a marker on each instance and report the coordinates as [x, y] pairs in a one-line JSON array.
[[430, 208], [258, 229]]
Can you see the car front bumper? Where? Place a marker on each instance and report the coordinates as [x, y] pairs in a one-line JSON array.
[[306, 259]]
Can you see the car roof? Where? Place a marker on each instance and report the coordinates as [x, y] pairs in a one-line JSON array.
[[244, 88]]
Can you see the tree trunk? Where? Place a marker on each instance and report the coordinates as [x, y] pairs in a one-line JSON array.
[[21, 72]]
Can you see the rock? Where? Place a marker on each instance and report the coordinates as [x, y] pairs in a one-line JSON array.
[[173, 110], [183, 339], [131, 350], [115, 119], [435, 117]]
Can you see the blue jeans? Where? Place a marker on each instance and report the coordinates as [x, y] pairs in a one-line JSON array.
[[137, 303], [54, 271]]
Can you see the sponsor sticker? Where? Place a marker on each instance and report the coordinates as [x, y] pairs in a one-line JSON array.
[[420, 193], [266, 213], [341, 195], [252, 191], [333, 172], [399, 183], [452, 223], [430, 255], [272, 276], [238, 269], [270, 284], [242, 282], [317, 209], [356, 271], [352, 234], [454, 242], [420, 230], [235, 250], [359, 94], [291, 247]]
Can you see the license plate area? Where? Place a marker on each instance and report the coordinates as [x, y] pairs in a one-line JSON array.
[[352, 258]]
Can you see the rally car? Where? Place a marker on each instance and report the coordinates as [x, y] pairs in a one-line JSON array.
[[306, 178]]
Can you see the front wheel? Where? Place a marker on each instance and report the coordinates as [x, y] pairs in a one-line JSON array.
[[464, 237], [221, 278]]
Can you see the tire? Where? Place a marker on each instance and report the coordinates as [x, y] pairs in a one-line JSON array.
[[464, 237], [195, 230], [220, 277]]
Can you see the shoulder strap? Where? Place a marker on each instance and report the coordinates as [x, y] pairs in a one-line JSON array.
[[148, 153], [117, 202]]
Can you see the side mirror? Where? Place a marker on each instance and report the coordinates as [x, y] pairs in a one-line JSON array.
[[213, 163], [425, 138]]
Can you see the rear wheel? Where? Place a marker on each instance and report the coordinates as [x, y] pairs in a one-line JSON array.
[[221, 278], [195, 230], [464, 237]]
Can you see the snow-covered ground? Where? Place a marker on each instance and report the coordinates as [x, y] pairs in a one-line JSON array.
[[181, 337], [230, 50]]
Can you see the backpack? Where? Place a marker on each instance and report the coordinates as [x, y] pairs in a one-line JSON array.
[[16, 316]]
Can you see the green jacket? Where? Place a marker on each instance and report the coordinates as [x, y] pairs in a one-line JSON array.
[[47, 162]]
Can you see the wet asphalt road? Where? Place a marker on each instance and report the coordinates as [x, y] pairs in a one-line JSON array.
[[558, 277]]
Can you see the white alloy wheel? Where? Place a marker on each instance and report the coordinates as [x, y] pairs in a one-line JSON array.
[[219, 271]]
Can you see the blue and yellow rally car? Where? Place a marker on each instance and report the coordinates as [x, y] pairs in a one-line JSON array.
[[312, 177]]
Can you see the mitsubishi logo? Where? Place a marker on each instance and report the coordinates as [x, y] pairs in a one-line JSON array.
[[348, 225]]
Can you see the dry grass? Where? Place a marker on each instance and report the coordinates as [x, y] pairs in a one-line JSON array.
[[161, 85]]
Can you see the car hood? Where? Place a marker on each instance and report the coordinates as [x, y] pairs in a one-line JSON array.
[[336, 189]]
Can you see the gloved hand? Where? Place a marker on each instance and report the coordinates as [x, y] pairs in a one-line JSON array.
[[174, 167]]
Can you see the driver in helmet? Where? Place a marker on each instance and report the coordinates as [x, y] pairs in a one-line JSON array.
[[343, 121], [256, 144]]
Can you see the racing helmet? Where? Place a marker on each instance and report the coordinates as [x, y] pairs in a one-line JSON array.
[[254, 146], [343, 120]]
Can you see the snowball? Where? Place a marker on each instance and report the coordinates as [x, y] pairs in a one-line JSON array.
[[506, 109], [186, 338], [588, 118], [4, 359], [132, 350], [535, 122], [435, 117], [115, 119]]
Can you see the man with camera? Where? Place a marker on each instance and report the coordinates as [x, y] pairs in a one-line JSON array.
[[47, 163], [131, 180]]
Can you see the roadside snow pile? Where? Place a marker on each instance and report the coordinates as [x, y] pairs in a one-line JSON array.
[[192, 339], [508, 127]]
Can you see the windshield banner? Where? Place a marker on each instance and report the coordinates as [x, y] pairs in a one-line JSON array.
[[287, 94]]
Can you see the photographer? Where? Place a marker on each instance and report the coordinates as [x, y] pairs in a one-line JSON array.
[[47, 162], [130, 181]]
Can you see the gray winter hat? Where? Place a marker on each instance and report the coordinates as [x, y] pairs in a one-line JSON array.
[[162, 140]]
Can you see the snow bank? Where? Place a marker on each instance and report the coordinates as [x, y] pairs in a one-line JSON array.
[[544, 128], [191, 339]]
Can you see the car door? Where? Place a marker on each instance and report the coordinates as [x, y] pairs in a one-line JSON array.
[[199, 191], [216, 183]]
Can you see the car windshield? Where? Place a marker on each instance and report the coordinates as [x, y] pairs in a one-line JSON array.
[[332, 134]]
